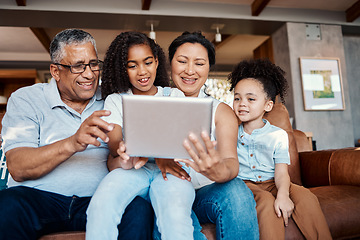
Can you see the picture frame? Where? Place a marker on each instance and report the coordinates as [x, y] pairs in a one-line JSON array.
[[321, 84]]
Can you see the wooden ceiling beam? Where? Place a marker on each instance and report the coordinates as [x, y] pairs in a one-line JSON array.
[[258, 6], [21, 2], [43, 37], [353, 12], [145, 4]]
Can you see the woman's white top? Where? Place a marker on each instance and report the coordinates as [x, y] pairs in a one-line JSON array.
[[198, 180]]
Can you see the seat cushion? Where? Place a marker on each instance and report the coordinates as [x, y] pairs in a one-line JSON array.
[[208, 229], [65, 236], [341, 207]]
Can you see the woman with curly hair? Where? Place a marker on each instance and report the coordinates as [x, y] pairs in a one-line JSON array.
[[263, 153], [135, 64]]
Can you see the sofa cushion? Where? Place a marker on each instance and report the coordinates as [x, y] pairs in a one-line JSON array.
[[341, 207], [64, 236], [208, 229]]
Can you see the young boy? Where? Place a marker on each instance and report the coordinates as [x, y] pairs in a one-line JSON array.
[[264, 157]]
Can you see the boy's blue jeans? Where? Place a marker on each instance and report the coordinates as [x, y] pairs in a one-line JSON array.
[[172, 201], [28, 213]]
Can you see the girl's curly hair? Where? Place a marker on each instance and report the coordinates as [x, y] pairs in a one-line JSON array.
[[114, 76], [268, 74]]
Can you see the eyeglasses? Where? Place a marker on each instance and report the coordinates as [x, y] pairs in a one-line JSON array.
[[80, 68]]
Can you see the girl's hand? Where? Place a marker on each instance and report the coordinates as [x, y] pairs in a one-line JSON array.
[[172, 167], [283, 206], [125, 161], [204, 160]]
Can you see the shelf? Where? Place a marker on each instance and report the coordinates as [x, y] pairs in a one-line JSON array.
[[13, 79], [17, 73]]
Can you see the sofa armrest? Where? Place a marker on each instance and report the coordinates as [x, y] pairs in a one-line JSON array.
[[302, 142], [330, 167]]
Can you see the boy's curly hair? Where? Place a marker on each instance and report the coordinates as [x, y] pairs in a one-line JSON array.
[[268, 74], [114, 76]]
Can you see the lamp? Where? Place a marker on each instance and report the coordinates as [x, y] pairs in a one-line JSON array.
[[217, 35], [218, 27], [152, 24], [152, 33]]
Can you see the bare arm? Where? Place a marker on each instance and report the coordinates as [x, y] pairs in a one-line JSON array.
[[283, 204], [26, 163], [219, 164]]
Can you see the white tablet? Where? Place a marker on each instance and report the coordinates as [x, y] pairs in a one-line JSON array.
[[155, 126]]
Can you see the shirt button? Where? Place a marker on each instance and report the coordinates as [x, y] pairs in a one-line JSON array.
[[253, 166], [251, 155], [243, 144], [259, 176]]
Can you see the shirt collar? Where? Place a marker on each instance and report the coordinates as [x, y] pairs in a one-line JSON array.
[[53, 96], [256, 131]]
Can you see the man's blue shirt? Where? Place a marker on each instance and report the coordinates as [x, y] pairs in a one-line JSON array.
[[35, 117]]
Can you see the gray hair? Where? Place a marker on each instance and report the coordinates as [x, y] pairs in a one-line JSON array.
[[68, 37]]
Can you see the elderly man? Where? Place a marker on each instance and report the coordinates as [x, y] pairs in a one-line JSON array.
[[56, 151]]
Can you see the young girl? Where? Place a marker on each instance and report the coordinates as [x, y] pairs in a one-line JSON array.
[[135, 64], [264, 155]]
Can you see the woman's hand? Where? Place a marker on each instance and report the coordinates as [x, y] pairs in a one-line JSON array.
[[172, 167], [204, 160], [283, 206], [218, 164]]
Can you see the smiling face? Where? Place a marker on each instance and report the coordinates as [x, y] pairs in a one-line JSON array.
[[250, 101], [141, 69], [190, 68], [79, 88]]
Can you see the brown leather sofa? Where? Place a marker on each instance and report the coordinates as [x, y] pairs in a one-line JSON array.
[[332, 175]]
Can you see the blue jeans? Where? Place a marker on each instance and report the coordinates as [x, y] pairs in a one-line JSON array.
[[171, 200], [231, 206], [28, 213]]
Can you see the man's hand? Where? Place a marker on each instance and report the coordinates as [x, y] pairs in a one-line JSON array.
[[46, 158], [90, 130], [172, 167]]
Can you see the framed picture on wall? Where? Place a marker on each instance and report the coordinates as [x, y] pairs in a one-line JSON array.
[[321, 84]]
